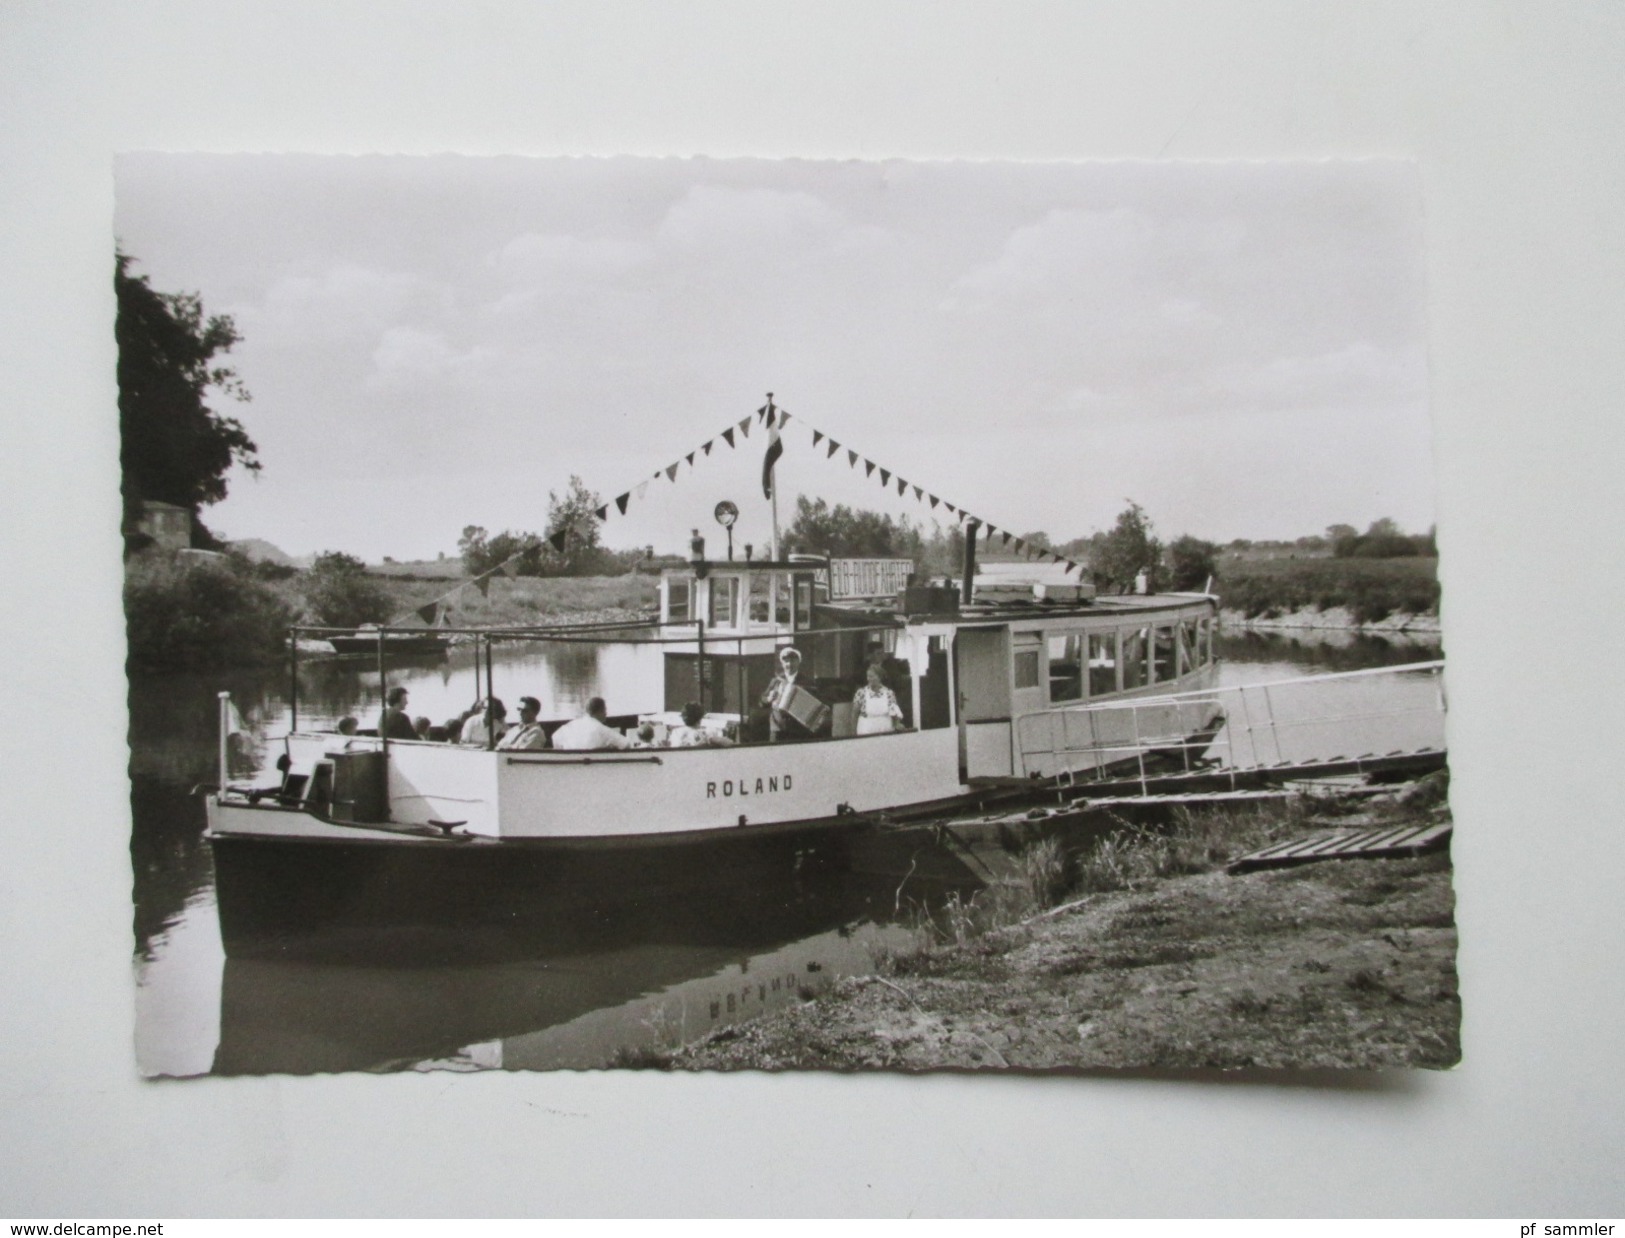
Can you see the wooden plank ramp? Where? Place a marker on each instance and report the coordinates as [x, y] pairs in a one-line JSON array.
[[1383, 842]]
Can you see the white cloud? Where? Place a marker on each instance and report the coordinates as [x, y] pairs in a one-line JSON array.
[[537, 259], [344, 301], [407, 355]]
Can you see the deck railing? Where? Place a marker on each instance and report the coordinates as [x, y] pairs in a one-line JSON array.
[[1316, 718]]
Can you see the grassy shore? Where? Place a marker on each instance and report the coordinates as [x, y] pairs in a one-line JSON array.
[[1338, 964], [527, 600], [1370, 589]]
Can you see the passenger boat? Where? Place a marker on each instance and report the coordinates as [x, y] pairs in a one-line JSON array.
[[373, 641], [1000, 685]]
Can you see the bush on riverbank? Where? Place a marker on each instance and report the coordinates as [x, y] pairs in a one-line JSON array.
[[1371, 589], [183, 614], [339, 593]]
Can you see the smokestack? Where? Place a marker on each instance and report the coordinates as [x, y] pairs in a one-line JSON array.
[[968, 585]]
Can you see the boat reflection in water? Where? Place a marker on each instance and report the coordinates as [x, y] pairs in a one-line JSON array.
[[579, 994]]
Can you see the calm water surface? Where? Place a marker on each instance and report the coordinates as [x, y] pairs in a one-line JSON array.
[[199, 1013]]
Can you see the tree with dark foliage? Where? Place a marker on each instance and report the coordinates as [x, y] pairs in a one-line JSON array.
[[1125, 551], [174, 448], [1192, 563]]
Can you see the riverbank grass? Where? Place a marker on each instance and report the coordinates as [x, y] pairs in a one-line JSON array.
[[1156, 957], [1369, 589]]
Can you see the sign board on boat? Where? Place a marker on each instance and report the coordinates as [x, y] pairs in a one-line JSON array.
[[868, 578]]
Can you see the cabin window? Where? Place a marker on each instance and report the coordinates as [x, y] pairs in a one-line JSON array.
[[1136, 645], [1102, 663], [723, 591], [679, 601], [1066, 667], [1026, 668], [804, 593], [781, 599], [761, 597], [1164, 654], [1190, 645]]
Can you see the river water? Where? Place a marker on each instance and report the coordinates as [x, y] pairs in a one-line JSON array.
[[198, 1012]]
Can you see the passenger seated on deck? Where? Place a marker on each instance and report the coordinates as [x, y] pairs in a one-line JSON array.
[[421, 726], [645, 737], [691, 734], [476, 732], [347, 725], [528, 735], [589, 731], [393, 723]]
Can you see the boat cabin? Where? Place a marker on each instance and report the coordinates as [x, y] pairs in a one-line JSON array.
[[1004, 650]]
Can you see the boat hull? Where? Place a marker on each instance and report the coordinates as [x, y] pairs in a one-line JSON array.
[[423, 900]]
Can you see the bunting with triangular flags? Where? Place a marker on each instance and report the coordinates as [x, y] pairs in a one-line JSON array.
[[818, 437], [602, 512], [671, 471], [1006, 538], [885, 477], [621, 501], [851, 458], [902, 486], [510, 566], [483, 584], [728, 436], [707, 448], [784, 419], [691, 459], [868, 468], [642, 488], [934, 501], [429, 613], [833, 448], [744, 427], [556, 540], [918, 493]]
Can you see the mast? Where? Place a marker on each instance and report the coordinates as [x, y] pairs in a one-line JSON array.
[[772, 413]]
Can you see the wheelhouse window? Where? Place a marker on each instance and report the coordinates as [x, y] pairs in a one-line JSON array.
[[1164, 654], [1136, 645], [679, 600], [1102, 663], [760, 603], [1066, 667], [1026, 666], [724, 589], [804, 596]]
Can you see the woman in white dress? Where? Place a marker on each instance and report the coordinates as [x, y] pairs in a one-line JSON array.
[[876, 707]]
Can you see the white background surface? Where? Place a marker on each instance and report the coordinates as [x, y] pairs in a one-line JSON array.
[[1514, 114]]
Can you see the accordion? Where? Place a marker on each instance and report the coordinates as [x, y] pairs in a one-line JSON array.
[[807, 709]]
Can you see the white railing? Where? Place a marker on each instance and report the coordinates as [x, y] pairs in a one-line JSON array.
[[1374, 712]]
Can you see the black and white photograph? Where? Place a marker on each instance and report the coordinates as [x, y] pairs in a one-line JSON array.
[[790, 615]]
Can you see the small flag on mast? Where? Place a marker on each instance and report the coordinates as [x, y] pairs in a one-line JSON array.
[[775, 449]]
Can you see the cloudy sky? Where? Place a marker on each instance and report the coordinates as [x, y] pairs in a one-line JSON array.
[[432, 343]]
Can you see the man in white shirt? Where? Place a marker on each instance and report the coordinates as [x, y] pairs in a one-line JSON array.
[[528, 735], [589, 732], [782, 725], [476, 732]]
